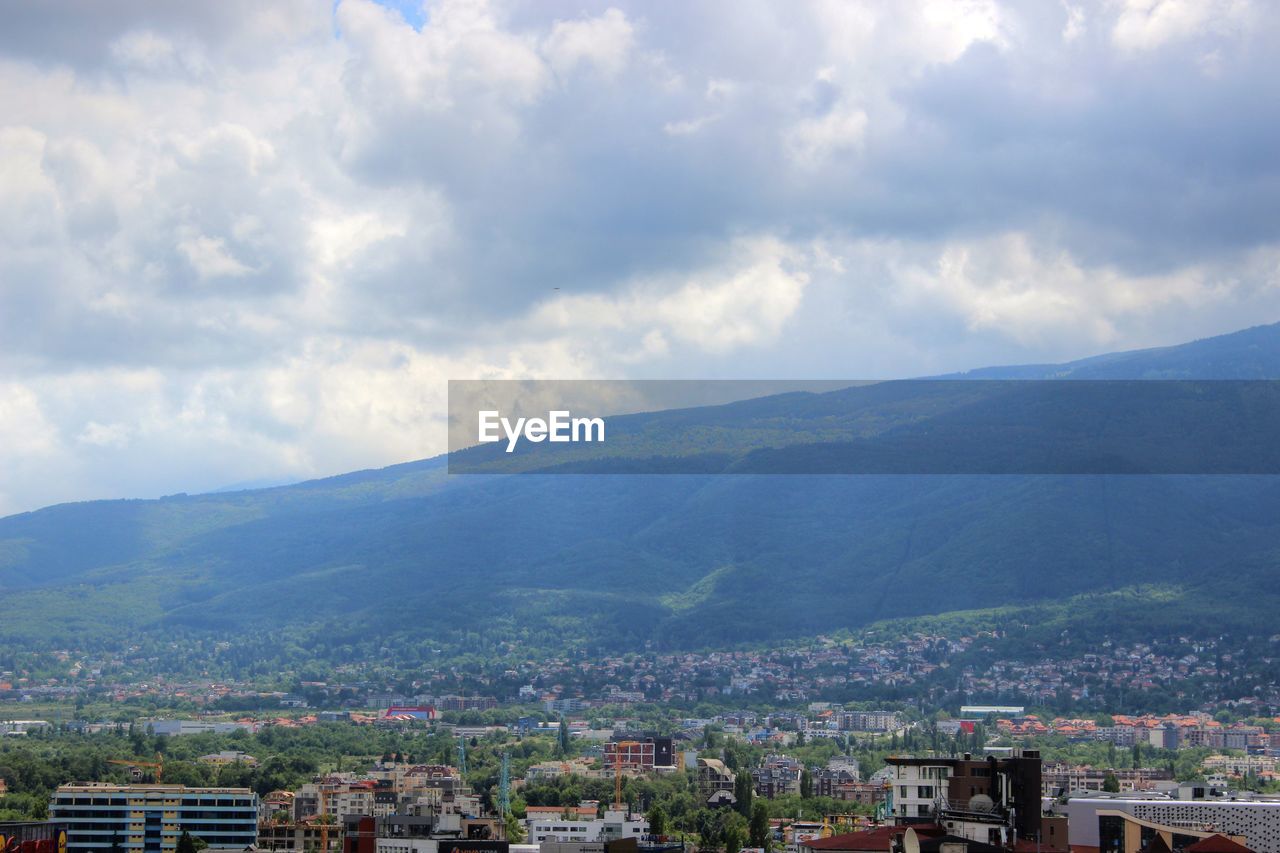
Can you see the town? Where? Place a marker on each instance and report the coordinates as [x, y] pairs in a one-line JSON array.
[[926, 670], [567, 776]]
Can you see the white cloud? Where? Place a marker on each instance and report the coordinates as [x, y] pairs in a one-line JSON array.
[[812, 141], [31, 209], [744, 301], [463, 53], [1143, 25], [209, 257], [604, 42], [688, 127], [1076, 23], [144, 49], [1038, 295]]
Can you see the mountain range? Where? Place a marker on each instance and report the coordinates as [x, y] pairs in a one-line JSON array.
[[669, 561]]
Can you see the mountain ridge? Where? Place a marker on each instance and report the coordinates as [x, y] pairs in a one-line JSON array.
[[679, 561]]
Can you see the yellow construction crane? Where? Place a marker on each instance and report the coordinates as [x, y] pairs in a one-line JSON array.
[[157, 765], [324, 819]]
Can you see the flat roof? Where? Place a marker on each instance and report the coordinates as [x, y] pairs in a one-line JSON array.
[[108, 787]]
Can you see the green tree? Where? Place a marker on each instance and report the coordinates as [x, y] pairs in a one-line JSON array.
[[742, 792], [732, 839], [1110, 783], [185, 843], [657, 820], [515, 832], [806, 785], [760, 836]]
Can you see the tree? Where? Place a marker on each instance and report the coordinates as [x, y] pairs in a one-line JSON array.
[[742, 793], [732, 839], [515, 832], [1110, 783], [657, 821], [563, 736], [760, 835], [806, 785], [185, 843]]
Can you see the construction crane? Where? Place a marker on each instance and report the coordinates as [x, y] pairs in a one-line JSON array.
[[157, 765], [323, 816], [618, 748]]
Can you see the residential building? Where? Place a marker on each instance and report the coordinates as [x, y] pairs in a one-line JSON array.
[[1058, 780], [616, 824], [870, 721], [175, 728], [1241, 765], [150, 818], [409, 713], [546, 770], [778, 777], [565, 706], [219, 759], [993, 801], [401, 834], [715, 782], [310, 835]]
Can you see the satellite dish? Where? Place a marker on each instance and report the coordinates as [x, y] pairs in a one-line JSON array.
[[910, 841], [981, 803]]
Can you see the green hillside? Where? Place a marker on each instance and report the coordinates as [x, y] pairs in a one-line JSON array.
[[676, 561]]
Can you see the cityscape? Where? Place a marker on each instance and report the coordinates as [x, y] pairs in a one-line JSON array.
[[619, 426]]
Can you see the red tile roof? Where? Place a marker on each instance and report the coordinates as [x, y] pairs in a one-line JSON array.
[[871, 840], [1218, 844]]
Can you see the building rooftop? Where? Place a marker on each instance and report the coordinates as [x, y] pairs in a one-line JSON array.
[[108, 787], [878, 840]]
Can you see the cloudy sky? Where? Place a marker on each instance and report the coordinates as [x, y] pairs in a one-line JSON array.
[[246, 242]]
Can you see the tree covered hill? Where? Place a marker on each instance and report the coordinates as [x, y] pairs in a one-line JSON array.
[[674, 561]]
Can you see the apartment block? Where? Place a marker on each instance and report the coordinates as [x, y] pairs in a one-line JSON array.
[[151, 818]]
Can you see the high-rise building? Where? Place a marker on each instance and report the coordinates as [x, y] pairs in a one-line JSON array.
[[151, 818]]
